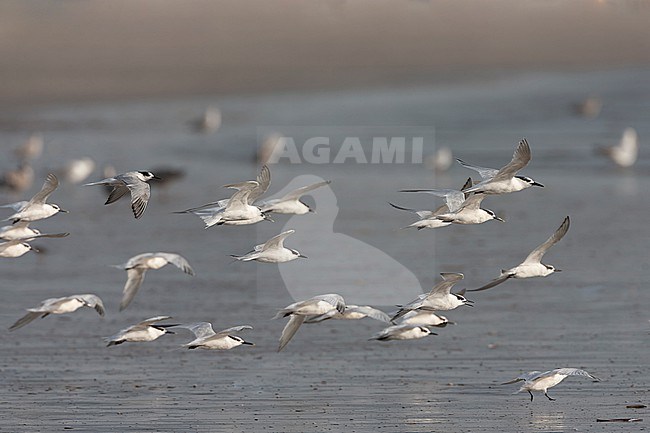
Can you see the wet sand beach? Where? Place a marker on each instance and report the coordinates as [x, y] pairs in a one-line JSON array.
[[58, 375]]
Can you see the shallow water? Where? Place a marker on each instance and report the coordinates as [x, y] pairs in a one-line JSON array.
[[57, 373]]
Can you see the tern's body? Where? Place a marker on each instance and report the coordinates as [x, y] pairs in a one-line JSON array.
[[272, 251], [352, 312], [504, 180], [36, 208], [439, 298], [297, 312], [290, 203], [147, 330], [133, 182], [238, 209], [424, 318], [532, 266], [137, 266], [429, 218], [14, 248], [460, 207], [402, 332], [63, 305], [206, 338], [22, 232], [538, 381]]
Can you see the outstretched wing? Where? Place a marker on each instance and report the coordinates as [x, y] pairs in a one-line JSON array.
[[373, 313], [92, 301], [276, 241], [27, 318], [199, 329], [290, 330], [179, 261], [263, 182], [116, 193], [449, 280], [575, 372], [492, 283], [297, 193], [234, 329], [453, 198], [520, 159], [484, 172], [51, 183], [134, 279], [536, 255]]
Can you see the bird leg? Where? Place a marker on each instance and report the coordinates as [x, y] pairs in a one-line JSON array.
[[547, 396], [531, 395]]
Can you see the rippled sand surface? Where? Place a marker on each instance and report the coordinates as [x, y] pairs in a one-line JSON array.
[[58, 375]]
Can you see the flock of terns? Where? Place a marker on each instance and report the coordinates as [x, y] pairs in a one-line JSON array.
[[412, 320]]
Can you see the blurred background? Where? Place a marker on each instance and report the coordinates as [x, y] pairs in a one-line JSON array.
[[66, 50]]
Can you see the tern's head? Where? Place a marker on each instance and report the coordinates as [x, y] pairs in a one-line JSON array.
[[297, 253], [146, 175], [493, 215], [462, 299], [240, 340], [29, 247], [426, 331], [529, 181], [551, 268], [57, 208]]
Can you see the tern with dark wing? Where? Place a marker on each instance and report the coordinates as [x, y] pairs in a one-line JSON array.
[[133, 182], [532, 266]]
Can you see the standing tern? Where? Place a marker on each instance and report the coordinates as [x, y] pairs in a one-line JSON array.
[[137, 266], [532, 266], [504, 180], [63, 305], [538, 381], [134, 182], [272, 251]]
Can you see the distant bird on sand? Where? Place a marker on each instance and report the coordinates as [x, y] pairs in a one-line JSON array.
[[626, 152]]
